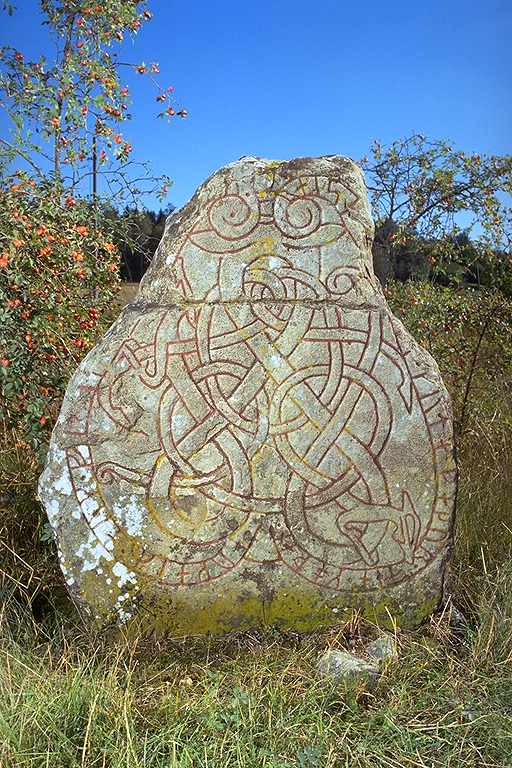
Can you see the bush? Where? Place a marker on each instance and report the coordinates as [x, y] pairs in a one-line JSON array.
[[58, 280], [58, 277], [468, 334]]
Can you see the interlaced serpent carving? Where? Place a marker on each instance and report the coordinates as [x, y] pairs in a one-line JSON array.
[[266, 411]]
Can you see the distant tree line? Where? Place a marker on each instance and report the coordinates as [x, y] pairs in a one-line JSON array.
[[139, 232], [448, 260], [440, 215]]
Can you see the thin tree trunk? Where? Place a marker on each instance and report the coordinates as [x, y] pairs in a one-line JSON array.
[[94, 168], [60, 102], [472, 368]]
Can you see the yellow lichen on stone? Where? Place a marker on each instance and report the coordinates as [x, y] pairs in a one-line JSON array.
[[257, 440]]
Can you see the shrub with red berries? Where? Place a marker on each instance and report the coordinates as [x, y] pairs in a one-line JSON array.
[[468, 333], [58, 281], [80, 93]]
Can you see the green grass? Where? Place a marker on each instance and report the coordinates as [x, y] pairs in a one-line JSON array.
[[68, 699], [255, 701]]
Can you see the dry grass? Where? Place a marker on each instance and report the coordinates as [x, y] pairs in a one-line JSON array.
[[68, 700], [257, 701], [127, 293]]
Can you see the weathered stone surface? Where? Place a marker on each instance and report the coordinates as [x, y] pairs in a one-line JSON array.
[[382, 649], [345, 667], [256, 440]]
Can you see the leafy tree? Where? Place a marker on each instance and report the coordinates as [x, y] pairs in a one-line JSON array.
[[59, 255], [60, 251], [68, 113], [424, 194]]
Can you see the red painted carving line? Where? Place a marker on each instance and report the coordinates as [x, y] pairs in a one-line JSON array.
[[203, 391]]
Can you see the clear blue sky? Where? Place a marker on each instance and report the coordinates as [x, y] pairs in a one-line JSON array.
[[284, 78]]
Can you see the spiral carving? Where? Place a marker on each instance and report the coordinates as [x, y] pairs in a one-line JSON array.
[[341, 280], [232, 217], [298, 217]]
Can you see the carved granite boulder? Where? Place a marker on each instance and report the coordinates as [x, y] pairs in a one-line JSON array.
[[256, 440]]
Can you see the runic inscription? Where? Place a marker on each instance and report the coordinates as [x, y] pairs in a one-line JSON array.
[[258, 422]]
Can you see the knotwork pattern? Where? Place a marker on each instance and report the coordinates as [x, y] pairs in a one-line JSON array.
[[269, 417]]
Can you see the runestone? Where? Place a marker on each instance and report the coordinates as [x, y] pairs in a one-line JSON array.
[[257, 440]]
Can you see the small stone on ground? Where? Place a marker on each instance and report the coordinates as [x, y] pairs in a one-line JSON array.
[[384, 648], [344, 666]]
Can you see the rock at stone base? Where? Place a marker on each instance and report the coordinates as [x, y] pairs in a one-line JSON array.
[[383, 649], [345, 667], [256, 440]]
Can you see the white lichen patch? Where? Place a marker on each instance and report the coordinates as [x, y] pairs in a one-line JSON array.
[[123, 614], [52, 511], [130, 513], [89, 507], [99, 545], [127, 582], [63, 483], [179, 423], [124, 575]]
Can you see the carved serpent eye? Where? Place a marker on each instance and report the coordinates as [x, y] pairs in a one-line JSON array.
[[308, 218], [233, 217], [298, 216]]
